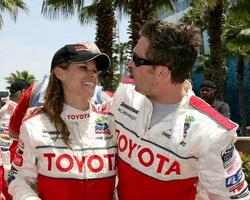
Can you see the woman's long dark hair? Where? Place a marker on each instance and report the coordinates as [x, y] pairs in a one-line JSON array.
[[53, 105]]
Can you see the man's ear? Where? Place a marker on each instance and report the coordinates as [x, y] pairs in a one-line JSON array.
[[163, 72]]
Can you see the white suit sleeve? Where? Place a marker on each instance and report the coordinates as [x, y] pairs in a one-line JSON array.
[[24, 174], [220, 172]]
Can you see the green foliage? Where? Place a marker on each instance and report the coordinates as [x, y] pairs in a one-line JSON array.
[[202, 63], [120, 58], [55, 9], [195, 16], [246, 167], [20, 75], [241, 9], [236, 35], [116, 80], [11, 7], [202, 66], [120, 62]]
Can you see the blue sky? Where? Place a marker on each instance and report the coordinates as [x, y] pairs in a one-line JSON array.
[[30, 42]]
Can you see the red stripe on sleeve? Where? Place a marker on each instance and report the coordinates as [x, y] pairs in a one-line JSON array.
[[200, 105]]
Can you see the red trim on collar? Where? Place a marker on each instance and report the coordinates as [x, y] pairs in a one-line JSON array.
[[33, 113]]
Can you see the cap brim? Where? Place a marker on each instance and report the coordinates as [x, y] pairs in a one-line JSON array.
[[208, 84], [101, 59]]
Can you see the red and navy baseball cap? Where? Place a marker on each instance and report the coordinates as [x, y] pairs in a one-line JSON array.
[[77, 53]]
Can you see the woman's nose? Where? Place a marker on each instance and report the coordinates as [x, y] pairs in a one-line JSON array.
[[131, 64], [92, 74]]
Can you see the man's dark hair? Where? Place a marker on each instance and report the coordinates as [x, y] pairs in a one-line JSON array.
[[173, 45]]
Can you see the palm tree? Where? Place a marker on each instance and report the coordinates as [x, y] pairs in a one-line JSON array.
[[207, 14], [102, 11], [237, 40], [215, 21], [140, 11], [195, 16], [20, 75], [213, 11], [105, 23], [121, 57], [12, 7], [241, 8]]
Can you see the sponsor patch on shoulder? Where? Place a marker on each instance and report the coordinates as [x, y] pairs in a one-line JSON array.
[[101, 126], [234, 179], [237, 187], [227, 156], [243, 194]]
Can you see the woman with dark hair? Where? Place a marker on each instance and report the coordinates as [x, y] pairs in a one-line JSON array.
[[67, 147]]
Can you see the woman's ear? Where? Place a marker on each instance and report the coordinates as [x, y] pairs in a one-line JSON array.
[[59, 73]]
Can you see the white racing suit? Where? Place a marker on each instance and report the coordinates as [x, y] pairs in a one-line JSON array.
[[5, 141], [85, 171], [193, 146]]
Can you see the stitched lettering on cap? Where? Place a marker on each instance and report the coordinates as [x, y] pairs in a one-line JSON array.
[[80, 47]]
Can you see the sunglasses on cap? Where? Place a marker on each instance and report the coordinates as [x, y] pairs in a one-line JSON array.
[[140, 61]]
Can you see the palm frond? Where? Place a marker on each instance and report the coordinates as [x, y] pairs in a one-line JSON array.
[[12, 8], [1, 22], [20, 75], [166, 5], [241, 11], [122, 6], [55, 9], [87, 14]]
